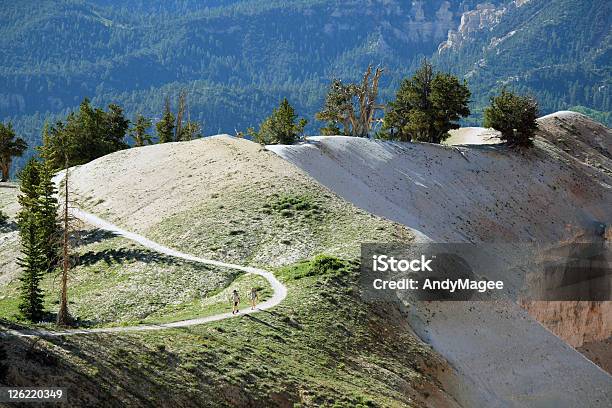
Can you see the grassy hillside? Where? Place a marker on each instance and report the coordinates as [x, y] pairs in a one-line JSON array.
[[322, 347], [220, 198], [117, 282], [227, 199]]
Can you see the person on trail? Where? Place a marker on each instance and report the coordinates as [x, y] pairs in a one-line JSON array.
[[253, 297], [235, 301]]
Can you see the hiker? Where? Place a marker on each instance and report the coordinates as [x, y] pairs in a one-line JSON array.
[[236, 301], [254, 297]]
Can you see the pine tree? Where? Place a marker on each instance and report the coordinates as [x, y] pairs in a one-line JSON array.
[[33, 261], [29, 179], [84, 135], [449, 100], [426, 106], [116, 127], [165, 127], [10, 146], [331, 129], [338, 107], [190, 131], [47, 216], [514, 116], [139, 131], [280, 127]]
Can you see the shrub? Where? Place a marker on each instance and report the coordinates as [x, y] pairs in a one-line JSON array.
[[426, 107], [320, 265], [323, 264], [287, 213], [290, 202], [514, 116], [281, 127]]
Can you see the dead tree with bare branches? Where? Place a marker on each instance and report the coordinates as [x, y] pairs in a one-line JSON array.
[[182, 105], [70, 225], [353, 105], [63, 318]]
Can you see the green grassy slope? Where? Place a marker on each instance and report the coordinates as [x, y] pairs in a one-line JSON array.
[[322, 347], [294, 221], [118, 283]]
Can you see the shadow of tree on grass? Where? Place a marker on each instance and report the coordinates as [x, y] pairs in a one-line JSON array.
[[92, 236], [119, 255]]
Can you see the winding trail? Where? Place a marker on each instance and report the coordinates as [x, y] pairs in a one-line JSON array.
[[280, 290]]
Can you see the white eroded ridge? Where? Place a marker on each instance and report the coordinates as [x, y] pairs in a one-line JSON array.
[[280, 290]]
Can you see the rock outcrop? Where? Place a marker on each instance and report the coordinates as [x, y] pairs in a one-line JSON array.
[[484, 17]]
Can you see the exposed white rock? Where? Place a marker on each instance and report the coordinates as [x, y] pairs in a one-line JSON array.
[[481, 194]]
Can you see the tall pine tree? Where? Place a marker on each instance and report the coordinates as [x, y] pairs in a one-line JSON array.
[[34, 264], [29, 179], [47, 216], [33, 261]]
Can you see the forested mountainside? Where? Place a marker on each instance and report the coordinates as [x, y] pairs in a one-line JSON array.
[[558, 50], [238, 58]]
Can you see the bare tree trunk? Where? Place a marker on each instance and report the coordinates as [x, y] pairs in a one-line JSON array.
[[62, 314], [354, 122], [182, 100], [373, 95], [346, 124], [5, 170], [367, 95], [363, 103]]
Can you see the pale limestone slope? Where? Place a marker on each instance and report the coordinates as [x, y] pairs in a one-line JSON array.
[[221, 198], [486, 193]]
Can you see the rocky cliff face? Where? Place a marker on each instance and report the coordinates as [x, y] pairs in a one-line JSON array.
[[588, 143], [484, 17], [577, 323], [430, 27]]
